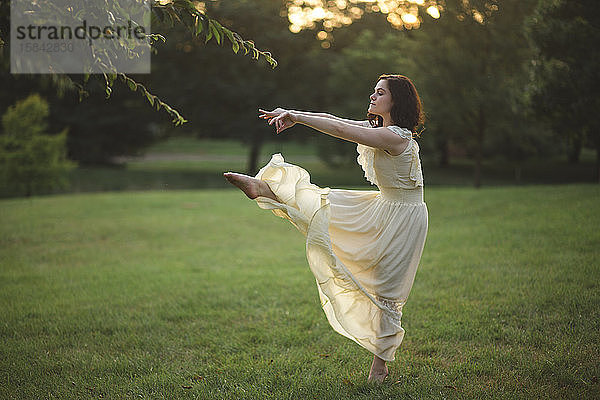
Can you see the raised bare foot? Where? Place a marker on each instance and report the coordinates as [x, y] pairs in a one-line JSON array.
[[245, 183], [252, 187], [379, 371]]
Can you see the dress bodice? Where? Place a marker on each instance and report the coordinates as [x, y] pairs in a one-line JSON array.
[[401, 171]]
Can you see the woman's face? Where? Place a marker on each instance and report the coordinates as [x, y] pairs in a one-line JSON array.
[[381, 99]]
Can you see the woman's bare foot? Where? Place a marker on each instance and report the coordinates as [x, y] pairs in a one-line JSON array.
[[252, 187], [379, 370]]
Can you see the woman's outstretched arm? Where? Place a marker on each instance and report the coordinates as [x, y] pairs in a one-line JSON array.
[[382, 138], [278, 111]]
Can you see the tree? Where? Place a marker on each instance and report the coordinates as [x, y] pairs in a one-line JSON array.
[[121, 12], [468, 59], [565, 90], [222, 94], [31, 161], [101, 130], [469, 64], [356, 66]]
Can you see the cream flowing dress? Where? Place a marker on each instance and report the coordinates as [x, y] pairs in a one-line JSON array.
[[363, 246]]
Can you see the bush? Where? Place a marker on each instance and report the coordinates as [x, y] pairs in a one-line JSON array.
[[31, 162]]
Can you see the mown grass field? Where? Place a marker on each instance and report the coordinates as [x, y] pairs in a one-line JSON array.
[[201, 295]]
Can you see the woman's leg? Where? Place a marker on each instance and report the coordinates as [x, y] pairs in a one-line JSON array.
[[252, 187], [379, 370]]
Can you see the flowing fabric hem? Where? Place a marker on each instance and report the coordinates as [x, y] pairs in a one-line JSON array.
[[342, 296]]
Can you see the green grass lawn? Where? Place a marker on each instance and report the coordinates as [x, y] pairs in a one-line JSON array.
[[202, 295]]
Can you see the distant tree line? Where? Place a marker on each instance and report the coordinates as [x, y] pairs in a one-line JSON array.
[[510, 79]]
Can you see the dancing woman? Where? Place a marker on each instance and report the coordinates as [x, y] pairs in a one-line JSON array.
[[363, 246]]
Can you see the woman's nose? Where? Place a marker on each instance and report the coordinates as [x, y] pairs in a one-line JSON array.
[[372, 97]]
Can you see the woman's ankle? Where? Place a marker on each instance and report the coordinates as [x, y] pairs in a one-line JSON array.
[[379, 370], [266, 191]]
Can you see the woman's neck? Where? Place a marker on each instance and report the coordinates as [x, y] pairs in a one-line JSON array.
[[387, 120]]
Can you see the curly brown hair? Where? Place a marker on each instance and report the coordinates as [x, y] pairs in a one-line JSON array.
[[407, 110]]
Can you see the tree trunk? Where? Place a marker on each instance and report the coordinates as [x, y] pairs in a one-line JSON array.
[[255, 146], [598, 161], [477, 170], [479, 148], [444, 149], [575, 145]]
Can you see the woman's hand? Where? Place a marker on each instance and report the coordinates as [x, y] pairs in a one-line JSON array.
[[269, 115], [282, 118], [285, 120]]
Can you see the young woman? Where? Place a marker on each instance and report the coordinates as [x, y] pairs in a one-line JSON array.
[[363, 247]]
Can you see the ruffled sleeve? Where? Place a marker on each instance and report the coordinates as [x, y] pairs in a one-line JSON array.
[[366, 158], [416, 172], [402, 132]]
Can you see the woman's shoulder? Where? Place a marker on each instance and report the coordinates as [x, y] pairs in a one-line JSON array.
[[402, 132]]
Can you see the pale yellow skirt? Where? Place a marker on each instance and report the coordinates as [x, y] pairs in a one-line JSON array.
[[362, 246]]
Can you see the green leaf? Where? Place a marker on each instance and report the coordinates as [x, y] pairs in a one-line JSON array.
[[131, 85], [217, 36], [229, 35], [150, 98], [245, 48], [218, 30], [199, 26]]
